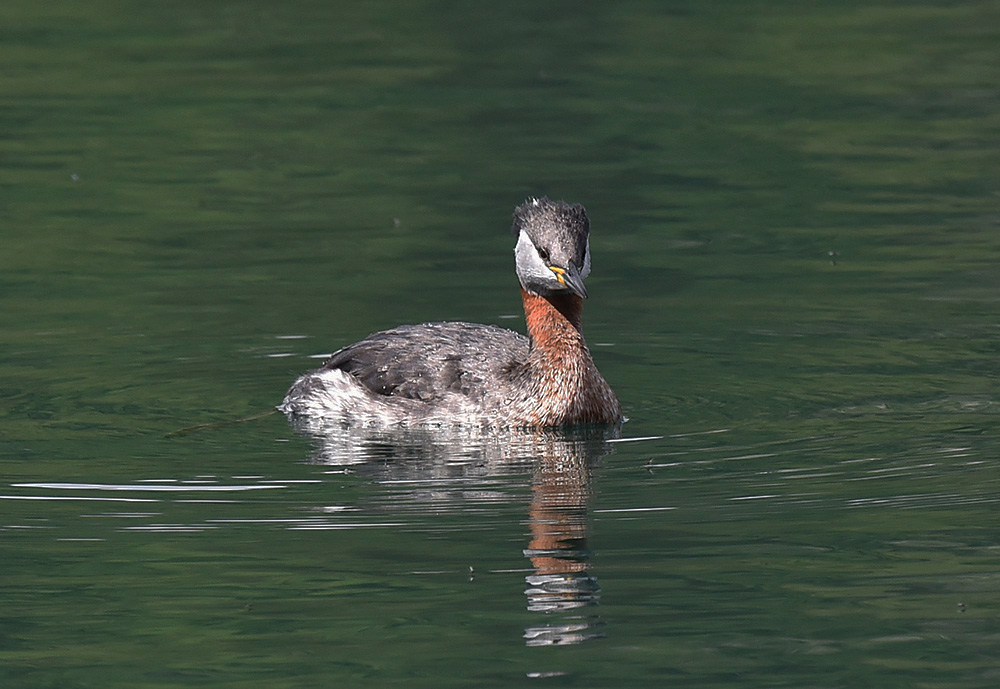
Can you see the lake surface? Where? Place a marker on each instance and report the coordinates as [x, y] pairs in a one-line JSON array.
[[795, 294]]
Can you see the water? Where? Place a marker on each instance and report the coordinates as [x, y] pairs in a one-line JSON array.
[[794, 295]]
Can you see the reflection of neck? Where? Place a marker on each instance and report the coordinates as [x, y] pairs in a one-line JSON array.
[[558, 518], [558, 548], [554, 320]]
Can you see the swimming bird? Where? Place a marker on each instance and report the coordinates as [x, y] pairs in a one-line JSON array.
[[453, 373]]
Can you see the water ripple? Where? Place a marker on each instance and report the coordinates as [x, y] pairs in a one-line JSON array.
[[139, 487]]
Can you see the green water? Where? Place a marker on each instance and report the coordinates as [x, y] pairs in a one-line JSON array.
[[795, 290]]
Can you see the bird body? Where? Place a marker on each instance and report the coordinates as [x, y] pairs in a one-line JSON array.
[[469, 374]]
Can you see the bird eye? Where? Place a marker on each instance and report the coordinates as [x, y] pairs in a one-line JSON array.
[[544, 255]]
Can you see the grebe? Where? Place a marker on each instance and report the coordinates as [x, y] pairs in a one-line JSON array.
[[483, 375]]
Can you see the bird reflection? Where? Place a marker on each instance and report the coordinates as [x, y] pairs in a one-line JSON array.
[[560, 584], [558, 550]]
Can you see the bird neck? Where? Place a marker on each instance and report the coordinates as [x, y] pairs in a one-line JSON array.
[[553, 320]]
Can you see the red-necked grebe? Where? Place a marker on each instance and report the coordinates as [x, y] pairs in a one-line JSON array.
[[470, 374]]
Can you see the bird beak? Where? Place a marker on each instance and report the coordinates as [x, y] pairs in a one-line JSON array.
[[571, 279]]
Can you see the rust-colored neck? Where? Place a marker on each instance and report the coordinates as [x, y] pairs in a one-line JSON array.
[[564, 386], [554, 317]]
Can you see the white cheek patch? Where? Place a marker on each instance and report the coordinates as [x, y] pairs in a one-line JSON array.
[[585, 271], [530, 266]]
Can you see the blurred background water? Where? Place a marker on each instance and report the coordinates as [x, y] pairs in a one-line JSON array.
[[795, 289]]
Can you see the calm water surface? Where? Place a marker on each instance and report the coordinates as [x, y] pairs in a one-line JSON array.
[[795, 292]]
